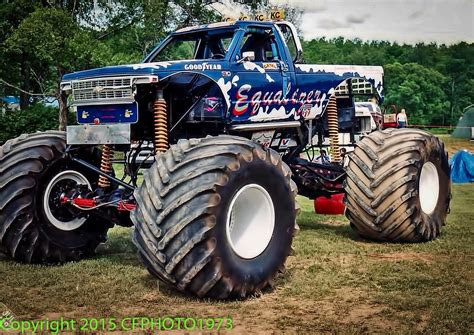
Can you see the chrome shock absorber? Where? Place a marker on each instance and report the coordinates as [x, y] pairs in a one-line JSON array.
[[106, 165], [333, 127], [160, 118]]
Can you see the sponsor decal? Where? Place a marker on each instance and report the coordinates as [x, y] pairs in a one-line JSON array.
[[203, 67], [305, 110], [242, 104], [272, 15], [270, 66], [263, 137], [260, 17], [98, 89], [128, 113], [285, 143], [276, 142], [277, 15], [266, 98]]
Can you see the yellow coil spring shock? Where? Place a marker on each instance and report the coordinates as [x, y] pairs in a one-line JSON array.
[[106, 165], [333, 126], [160, 123]]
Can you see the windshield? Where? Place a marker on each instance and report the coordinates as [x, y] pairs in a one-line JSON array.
[[199, 45]]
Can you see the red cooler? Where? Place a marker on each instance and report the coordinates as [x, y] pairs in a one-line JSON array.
[[333, 205]]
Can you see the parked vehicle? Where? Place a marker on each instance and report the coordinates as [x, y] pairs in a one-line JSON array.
[[390, 117], [373, 109], [230, 107], [9, 102]]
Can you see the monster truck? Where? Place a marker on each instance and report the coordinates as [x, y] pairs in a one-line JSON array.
[[230, 109]]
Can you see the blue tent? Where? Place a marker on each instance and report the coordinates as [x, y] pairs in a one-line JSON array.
[[10, 99], [463, 129], [462, 167]]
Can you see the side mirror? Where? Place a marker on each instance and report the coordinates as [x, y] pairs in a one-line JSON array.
[[247, 56]]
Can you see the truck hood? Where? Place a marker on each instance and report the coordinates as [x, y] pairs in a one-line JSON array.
[[162, 69]]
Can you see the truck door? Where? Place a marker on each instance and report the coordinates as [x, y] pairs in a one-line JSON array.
[[262, 78]]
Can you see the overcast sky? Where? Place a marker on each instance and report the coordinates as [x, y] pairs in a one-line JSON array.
[[403, 21]]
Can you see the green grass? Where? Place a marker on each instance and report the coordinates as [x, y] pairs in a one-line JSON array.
[[440, 131], [335, 282], [454, 144]]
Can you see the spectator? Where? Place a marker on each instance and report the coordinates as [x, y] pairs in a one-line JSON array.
[[343, 152], [402, 120], [323, 158]]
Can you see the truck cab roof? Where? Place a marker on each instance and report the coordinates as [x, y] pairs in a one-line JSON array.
[[217, 25]]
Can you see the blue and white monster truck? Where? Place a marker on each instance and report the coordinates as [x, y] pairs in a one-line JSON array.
[[230, 109]]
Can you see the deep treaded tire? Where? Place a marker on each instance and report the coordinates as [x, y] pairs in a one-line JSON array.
[[183, 214], [398, 186], [27, 164]]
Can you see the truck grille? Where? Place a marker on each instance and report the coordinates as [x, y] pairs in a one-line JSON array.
[[102, 91]]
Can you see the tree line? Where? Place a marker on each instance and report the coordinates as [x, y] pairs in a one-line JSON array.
[[40, 41], [43, 40], [434, 83]]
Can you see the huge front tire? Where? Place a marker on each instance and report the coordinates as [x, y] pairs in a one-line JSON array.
[[34, 226], [398, 186], [216, 217]]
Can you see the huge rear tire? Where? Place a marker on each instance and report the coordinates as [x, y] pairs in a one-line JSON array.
[[398, 186], [34, 228], [216, 217]]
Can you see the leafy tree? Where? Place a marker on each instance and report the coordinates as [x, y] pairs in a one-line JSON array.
[[57, 44], [36, 117], [46, 39], [42, 40], [419, 90], [455, 64], [139, 25], [15, 67]]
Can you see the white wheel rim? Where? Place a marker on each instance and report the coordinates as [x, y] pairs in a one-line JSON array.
[[429, 188], [250, 221], [79, 179]]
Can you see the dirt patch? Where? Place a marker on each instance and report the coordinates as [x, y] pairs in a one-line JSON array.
[[406, 256], [152, 296], [453, 144], [354, 310], [332, 222], [342, 307], [424, 321], [78, 313], [297, 264]]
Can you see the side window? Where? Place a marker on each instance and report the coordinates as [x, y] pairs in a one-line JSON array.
[[216, 46], [177, 50], [262, 44], [226, 42], [289, 40]]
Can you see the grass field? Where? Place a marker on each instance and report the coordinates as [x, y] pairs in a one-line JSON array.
[[335, 282]]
